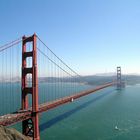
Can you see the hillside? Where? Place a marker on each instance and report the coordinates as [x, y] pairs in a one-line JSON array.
[[11, 134], [94, 79]]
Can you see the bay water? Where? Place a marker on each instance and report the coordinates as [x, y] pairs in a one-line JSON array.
[[108, 114]]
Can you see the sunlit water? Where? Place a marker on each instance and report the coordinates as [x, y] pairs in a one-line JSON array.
[[94, 117]]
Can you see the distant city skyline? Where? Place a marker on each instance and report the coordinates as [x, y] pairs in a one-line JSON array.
[[91, 36]]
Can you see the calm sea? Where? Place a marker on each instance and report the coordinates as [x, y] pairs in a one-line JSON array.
[[105, 115]]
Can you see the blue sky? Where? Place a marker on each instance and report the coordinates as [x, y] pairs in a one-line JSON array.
[[91, 36]]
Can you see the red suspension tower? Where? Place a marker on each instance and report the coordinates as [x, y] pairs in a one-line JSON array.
[[119, 79], [30, 127]]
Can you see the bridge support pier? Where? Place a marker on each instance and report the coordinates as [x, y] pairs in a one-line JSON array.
[[30, 127]]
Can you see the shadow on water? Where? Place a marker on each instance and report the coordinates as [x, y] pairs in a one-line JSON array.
[[67, 114]]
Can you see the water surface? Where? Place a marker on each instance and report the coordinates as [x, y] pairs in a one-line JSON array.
[[94, 117]]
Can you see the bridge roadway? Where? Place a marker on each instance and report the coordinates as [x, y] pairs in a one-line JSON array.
[[10, 119]]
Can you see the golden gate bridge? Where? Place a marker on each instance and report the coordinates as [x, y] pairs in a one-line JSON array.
[[28, 66]]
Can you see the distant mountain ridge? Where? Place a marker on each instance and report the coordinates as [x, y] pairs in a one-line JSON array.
[[97, 79]]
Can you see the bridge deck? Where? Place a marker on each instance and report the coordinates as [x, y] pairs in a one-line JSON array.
[[21, 115]]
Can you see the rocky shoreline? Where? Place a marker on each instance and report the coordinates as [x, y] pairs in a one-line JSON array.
[[11, 134]]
